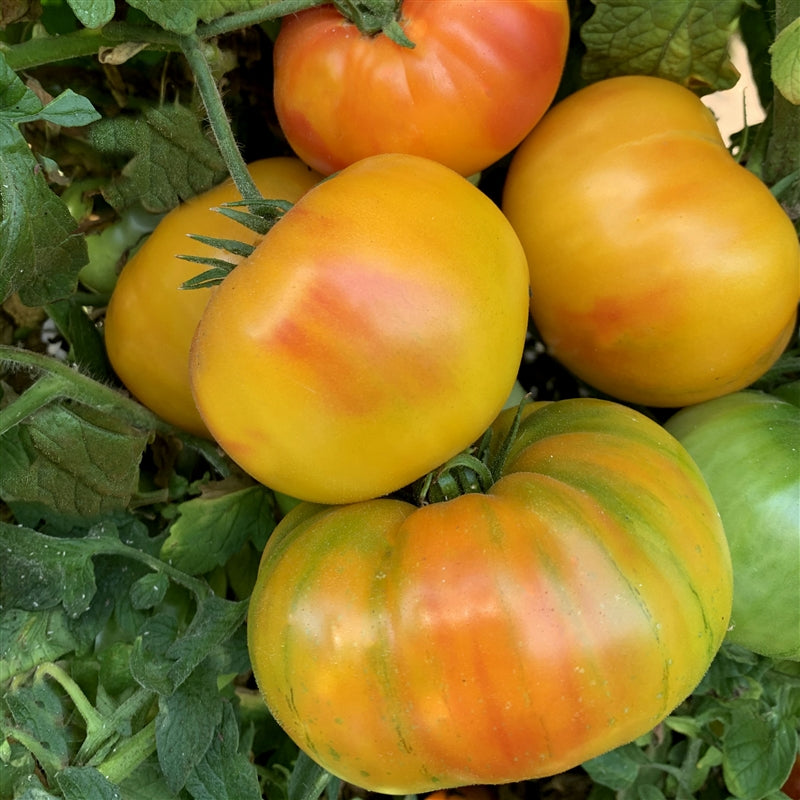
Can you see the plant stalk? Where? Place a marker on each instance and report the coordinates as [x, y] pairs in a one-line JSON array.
[[217, 117], [782, 158], [60, 381]]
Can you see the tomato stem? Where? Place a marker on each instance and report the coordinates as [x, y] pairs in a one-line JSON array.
[[372, 17], [217, 117], [782, 159]]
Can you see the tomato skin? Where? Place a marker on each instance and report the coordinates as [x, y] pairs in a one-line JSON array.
[[150, 320], [502, 636], [374, 333], [480, 77], [747, 446], [662, 272], [791, 787]]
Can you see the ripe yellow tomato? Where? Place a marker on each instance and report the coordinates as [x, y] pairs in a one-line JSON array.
[[662, 272], [374, 333], [150, 320]]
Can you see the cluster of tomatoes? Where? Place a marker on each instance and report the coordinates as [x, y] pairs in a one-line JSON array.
[[575, 581]]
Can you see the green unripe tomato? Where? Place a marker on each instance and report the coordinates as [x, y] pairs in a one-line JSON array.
[[747, 446]]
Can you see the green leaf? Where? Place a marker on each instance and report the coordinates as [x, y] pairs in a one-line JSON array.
[[308, 779], [78, 461], [163, 658], [785, 54], [685, 41], [16, 769], [40, 253], [30, 638], [149, 590], [32, 789], [86, 783], [210, 529], [617, 769], [69, 109], [16, 100], [172, 158], [146, 783], [37, 710], [41, 572], [185, 726], [86, 347], [214, 623], [224, 773], [758, 752], [92, 13], [181, 17]]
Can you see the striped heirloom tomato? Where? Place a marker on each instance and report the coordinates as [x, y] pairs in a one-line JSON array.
[[504, 634], [479, 77]]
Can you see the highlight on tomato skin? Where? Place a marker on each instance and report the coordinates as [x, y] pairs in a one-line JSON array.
[[374, 333], [501, 635], [479, 78], [675, 276], [150, 320]]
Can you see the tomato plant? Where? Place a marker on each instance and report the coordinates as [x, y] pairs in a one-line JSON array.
[[129, 547], [480, 75], [374, 333], [502, 634], [151, 320], [746, 445], [662, 272]]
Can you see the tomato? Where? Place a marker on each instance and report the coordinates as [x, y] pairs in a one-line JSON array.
[[662, 272], [500, 635], [747, 446], [374, 333], [480, 76], [791, 787], [789, 392], [150, 320]]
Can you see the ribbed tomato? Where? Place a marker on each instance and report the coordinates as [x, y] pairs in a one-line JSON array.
[[480, 76], [505, 634]]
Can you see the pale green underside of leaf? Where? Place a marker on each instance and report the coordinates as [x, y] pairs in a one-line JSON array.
[[92, 13], [685, 41], [786, 62]]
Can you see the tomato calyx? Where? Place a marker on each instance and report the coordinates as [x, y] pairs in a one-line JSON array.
[[260, 217], [372, 17], [462, 474], [474, 470]]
